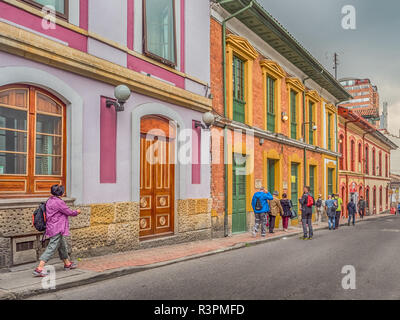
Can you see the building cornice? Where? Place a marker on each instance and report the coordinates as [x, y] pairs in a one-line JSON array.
[[31, 46], [275, 137]]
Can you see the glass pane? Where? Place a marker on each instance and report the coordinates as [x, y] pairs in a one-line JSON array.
[[13, 119], [47, 105], [160, 28], [57, 4], [48, 124], [13, 141], [48, 145], [15, 97], [11, 163], [48, 166], [238, 78]]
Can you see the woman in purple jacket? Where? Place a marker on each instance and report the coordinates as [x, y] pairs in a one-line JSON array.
[[57, 228]]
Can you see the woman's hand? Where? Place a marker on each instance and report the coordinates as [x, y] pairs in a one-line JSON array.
[[78, 211]]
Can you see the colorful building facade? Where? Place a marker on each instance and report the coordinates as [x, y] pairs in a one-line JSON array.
[[57, 77], [276, 115], [365, 163]]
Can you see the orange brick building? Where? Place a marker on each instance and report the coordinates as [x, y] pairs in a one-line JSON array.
[[276, 115]]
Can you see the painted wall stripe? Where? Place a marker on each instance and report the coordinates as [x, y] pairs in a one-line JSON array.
[[108, 143]]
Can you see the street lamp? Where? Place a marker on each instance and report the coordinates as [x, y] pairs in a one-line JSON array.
[[208, 119], [122, 93]]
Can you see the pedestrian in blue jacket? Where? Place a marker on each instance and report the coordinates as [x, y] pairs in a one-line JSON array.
[[261, 208]]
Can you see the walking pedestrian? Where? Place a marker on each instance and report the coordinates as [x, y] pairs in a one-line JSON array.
[[287, 205], [320, 205], [338, 210], [351, 210], [57, 228], [307, 201], [330, 212], [362, 204], [276, 209], [261, 208]]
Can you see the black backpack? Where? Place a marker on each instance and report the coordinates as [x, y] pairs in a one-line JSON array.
[[39, 218], [258, 206]]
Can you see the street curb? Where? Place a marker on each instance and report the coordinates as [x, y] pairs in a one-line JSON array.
[[92, 277]]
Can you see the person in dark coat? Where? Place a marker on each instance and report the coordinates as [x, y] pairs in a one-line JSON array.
[[351, 209], [286, 206], [306, 214]]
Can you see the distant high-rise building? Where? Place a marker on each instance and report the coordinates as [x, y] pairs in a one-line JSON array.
[[365, 100], [384, 117]]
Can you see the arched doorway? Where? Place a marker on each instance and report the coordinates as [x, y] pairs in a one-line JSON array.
[[157, 176]]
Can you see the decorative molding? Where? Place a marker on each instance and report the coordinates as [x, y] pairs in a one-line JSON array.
[[273, 68], [242, 46], [31, 46], [295, 83], [313, 95]]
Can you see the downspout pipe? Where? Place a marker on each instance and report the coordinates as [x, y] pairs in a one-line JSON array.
[[226, 229], [304, 133]]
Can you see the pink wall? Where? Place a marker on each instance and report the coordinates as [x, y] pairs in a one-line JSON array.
[[28, 20], [140, 65], [196, 155], [84, 14], [130, 23], [183, 35], [108, 143]]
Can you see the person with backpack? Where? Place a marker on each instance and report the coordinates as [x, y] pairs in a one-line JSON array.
[[287, 206], [307, 201], [261, 208], [351, 210], [338, 210], [320, 205], [57, 228], [362, 204], [330, 206], [276, 209]]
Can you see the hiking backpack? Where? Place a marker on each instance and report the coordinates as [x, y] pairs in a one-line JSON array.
[[258, 206], [39, 218], [310, 201]]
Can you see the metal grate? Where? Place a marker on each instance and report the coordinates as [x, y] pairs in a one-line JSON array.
[[24, 246], [2, 261]]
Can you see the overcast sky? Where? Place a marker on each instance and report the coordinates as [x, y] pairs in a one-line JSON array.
[[371, 51]]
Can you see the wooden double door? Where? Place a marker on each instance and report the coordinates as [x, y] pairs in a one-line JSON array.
[[157, 177]]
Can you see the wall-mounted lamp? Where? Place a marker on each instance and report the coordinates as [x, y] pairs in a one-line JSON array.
[[262, 141], [340, 141], [122, 93], [208, 119], [285, 117]]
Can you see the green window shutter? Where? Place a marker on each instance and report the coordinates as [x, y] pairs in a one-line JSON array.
[[294, 186], [270, 104], [310, 125], [271, 175], [330, 181], [329, 131], [293, 117], [312, 179], [239, 103]]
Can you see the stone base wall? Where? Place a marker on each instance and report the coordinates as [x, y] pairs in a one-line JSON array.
[[105, 228]]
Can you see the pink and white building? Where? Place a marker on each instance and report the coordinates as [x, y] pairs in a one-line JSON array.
[[59, 65]]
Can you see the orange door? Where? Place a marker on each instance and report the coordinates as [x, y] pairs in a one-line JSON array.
[[157, 173]]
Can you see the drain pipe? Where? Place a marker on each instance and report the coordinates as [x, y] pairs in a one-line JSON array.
[[304, 134], [226, 223]]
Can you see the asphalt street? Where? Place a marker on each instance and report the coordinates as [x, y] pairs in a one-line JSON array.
[[286, 269]]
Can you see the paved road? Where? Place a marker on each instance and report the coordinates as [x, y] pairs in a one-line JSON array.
[[285, 269]]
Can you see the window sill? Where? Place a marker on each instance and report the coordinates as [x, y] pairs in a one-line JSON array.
[[27, 202]]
